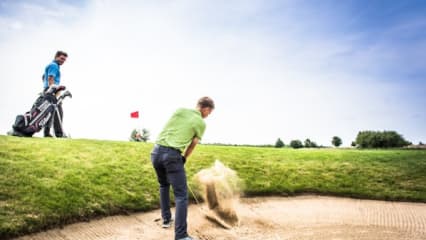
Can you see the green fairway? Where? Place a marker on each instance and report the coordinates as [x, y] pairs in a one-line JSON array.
[[49, 182]]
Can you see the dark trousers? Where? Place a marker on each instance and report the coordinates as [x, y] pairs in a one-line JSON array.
[[169, 168], [57, 123]]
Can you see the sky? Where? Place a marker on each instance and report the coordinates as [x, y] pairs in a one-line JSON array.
[[275, 69]]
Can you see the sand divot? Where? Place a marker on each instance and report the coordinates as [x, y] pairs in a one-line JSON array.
[[220, 188]]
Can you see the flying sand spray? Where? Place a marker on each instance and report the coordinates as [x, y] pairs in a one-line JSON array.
[[220, 188]]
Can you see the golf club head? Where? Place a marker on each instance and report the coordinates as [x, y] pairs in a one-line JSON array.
[[67, 94]]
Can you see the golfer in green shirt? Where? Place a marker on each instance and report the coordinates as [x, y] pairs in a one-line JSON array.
[[173, 146]]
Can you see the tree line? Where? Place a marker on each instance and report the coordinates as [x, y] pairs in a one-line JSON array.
[[364, 139]]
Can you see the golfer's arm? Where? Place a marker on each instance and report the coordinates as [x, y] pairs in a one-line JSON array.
[[191, 147], [50, 80]]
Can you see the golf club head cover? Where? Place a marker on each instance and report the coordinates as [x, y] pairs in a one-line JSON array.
[[55, 88], [60, 88]]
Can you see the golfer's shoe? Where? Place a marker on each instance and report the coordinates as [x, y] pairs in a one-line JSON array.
[[167, 223], [188, 238]]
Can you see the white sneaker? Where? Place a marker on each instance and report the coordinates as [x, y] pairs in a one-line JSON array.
[[167, 223]]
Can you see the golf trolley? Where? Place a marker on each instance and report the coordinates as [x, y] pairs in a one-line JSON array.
[[42, 111]]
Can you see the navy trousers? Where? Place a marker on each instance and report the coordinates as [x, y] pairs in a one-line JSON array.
[[168, 165]]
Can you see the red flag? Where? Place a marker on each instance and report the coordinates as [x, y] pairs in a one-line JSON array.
[[134, 114]]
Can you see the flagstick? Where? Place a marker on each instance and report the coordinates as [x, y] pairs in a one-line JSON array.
[[135, 125]]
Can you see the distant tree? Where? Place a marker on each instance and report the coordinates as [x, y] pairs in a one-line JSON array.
[[145, 134], [378, 139], [353, 144], [307, 143], [135, 135], [336, 141], [279, 143], [140, 136], [296, 144], [310, 144], [421, 144]]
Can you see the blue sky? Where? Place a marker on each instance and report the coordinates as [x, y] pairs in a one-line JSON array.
[[288, 69]]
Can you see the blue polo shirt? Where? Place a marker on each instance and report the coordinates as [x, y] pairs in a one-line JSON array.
[[52, 70]]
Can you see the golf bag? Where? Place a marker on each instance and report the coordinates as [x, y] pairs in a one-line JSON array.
[[41, 112]]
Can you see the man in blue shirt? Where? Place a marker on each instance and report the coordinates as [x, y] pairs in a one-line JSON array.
[[52, 76]]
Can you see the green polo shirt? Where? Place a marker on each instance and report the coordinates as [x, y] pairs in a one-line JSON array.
[[183, 126]]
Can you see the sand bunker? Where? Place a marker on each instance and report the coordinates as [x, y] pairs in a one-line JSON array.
[[271, 218], [220, 188]]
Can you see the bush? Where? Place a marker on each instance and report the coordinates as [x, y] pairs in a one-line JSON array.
[[279, 143], [336, 141], [296, 144], [353, 144], [310, 144], [378, 139], [139, 136]]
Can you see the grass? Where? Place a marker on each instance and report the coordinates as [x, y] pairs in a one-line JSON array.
[[49, 182]]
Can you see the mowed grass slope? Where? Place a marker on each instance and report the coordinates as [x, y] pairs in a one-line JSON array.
[[49, 182]]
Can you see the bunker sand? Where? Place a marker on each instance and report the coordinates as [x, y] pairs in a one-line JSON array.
[[303, 217]]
